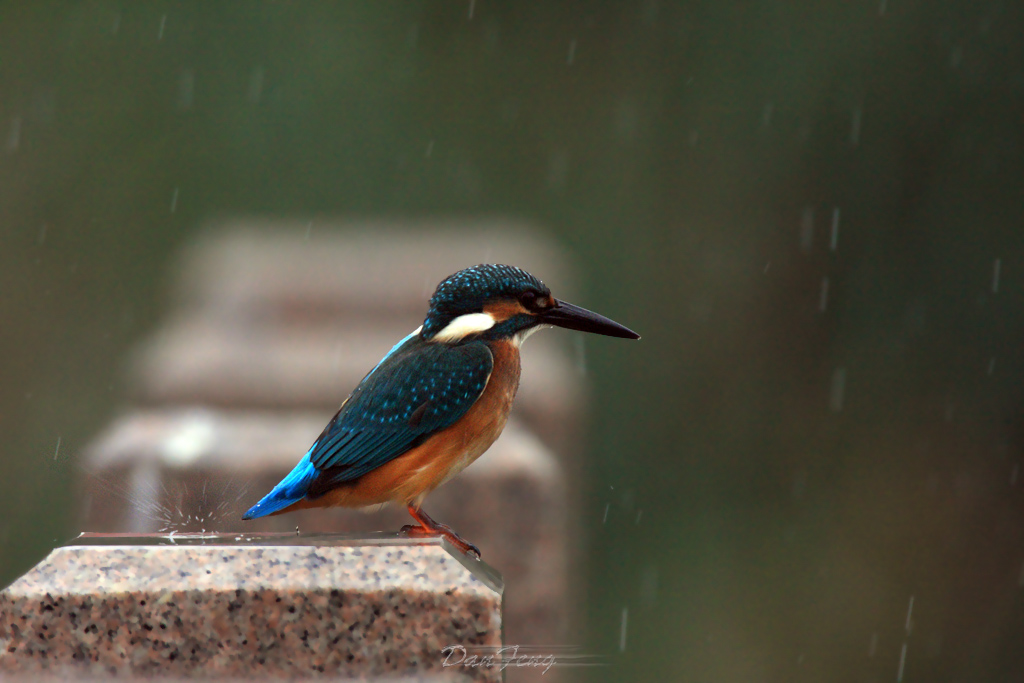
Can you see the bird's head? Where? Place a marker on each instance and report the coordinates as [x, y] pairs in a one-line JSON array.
[[504, 302]]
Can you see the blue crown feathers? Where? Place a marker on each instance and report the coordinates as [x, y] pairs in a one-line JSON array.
[[467, 290]]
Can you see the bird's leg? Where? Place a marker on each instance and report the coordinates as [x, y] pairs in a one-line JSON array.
[[428, 527]]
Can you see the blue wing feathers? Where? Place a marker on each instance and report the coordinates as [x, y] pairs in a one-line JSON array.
[[435, 382]]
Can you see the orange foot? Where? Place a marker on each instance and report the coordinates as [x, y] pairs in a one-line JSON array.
[[428, 527]]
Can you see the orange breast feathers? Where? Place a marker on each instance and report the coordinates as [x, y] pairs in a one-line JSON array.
[[412, 475]]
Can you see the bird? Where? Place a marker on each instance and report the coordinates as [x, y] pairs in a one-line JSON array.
[[435, 403]]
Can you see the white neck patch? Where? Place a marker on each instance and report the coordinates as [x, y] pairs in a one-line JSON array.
[[463, 326]]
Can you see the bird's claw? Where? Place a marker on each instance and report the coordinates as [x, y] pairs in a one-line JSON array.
[[445, 531]]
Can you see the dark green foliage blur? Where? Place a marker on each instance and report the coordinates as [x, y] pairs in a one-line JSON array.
[[818, 424]]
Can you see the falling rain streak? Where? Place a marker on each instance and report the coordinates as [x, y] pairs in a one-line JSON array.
[[622, 629], [174, 201], [580, 346], [186, 90], [834, 241], [837, 394], [997, 267], [255, 85], [807, 229], [163, 24], [956, 57], [56, 451], [14, 136], [908, 626], [572, 52]]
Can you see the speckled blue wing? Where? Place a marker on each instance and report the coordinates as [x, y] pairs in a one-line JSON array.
[[418, 389]]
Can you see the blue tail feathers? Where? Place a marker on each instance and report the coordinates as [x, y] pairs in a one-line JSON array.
[[289, 491]]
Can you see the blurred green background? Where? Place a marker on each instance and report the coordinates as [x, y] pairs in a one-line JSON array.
[[812, 211]]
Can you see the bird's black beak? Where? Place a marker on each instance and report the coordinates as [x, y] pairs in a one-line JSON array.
[[564, 314]]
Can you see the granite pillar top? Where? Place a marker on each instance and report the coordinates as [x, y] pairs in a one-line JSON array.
[[248, 606]]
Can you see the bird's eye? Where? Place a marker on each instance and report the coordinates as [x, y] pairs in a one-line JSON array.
[[529, 300]]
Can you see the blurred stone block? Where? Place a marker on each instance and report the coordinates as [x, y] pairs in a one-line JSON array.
[[224, 606], [200, 469], [200, 360], [288, 272], [293, 314]]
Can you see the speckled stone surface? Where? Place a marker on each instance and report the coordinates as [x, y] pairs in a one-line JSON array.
[[270, 606]]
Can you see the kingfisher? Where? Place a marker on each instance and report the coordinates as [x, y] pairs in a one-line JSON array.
[[434, 403]]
